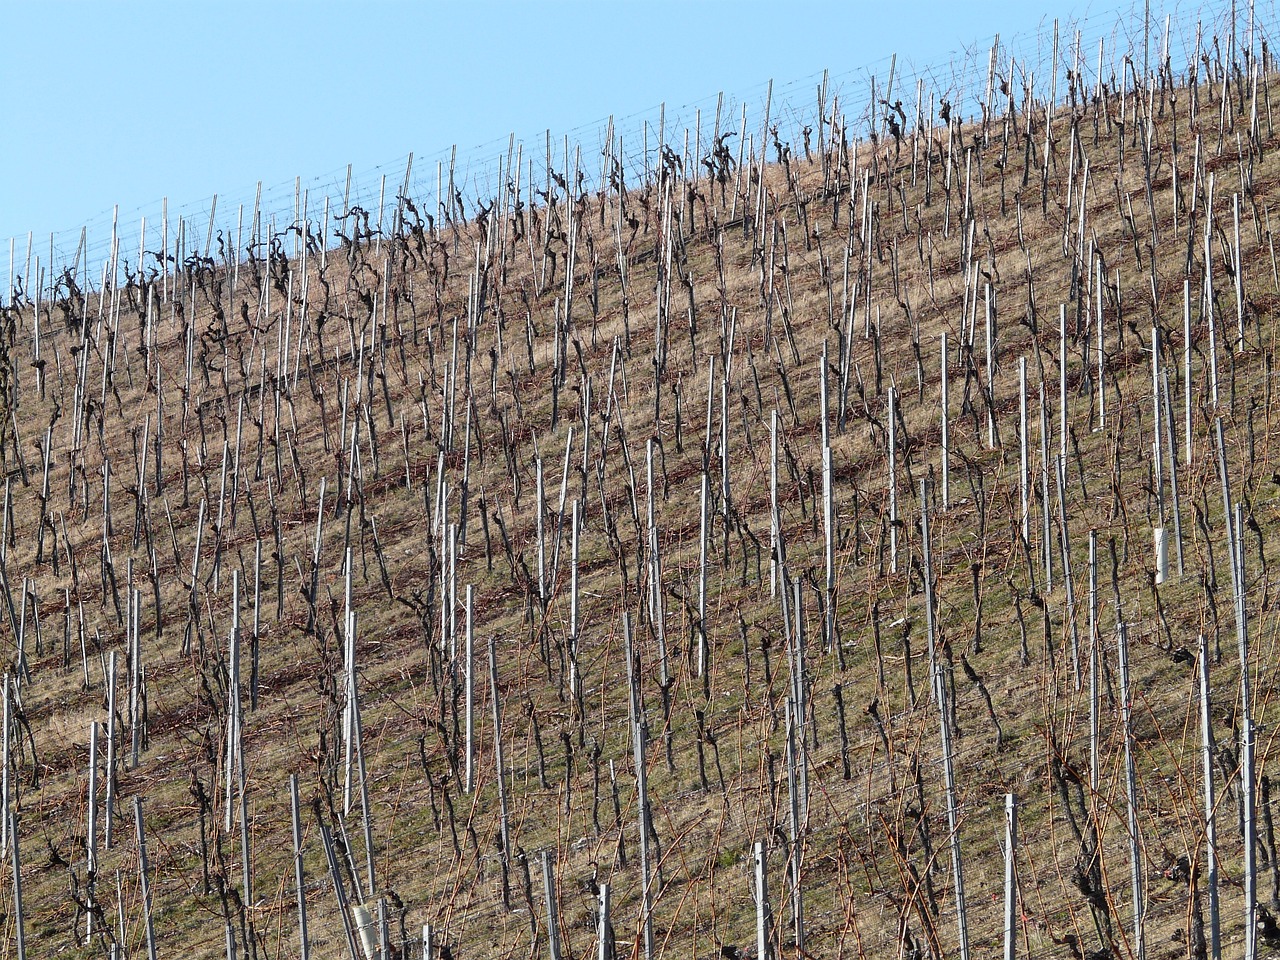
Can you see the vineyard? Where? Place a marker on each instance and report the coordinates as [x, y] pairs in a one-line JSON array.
[[854, 543]]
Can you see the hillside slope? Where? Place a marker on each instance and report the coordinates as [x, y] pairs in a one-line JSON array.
[[320, 516]]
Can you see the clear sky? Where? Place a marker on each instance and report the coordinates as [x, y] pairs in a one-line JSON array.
[[125, 103]]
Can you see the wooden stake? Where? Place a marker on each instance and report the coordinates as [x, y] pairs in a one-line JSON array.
[[764, 915], [1024, 476], [639, 736], [91, 841], [1010, 877], [795, 824], [940, 697], [20, 927], [298, 875], [1235, 552], [549, 894], [1131, 794], [893, 480], [144, 877], [604, 926], [468, 693], [946, 428], [499, 771], [1208, 749], [109, 806]]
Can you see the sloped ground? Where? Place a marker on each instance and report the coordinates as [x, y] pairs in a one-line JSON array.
[[413, 353]]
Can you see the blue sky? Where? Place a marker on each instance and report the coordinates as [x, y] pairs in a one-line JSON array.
[[125, 103]]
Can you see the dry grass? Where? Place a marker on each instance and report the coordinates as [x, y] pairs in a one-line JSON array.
[[865, 833]]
